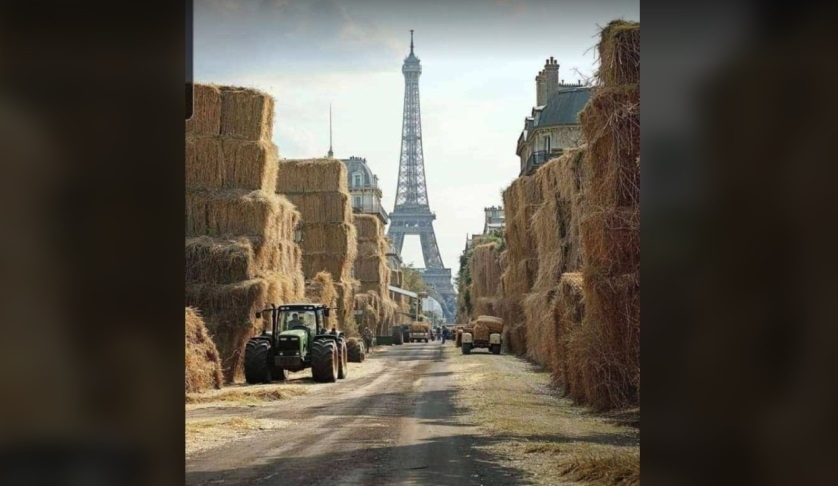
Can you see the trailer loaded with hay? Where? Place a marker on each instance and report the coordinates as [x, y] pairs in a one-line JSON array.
[[298, 339], [419, 331], [485, 332]]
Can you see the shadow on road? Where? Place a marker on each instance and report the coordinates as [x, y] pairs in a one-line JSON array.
[[377, 466]]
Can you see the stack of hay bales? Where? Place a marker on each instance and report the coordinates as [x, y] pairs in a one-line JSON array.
[[371, 263], [371, 268], [521, 200], [569, 312], [240, 253], [368, 305], [555, 227], [321, 290], [203, 365], [608, 343], [318, 188], [485, 279]]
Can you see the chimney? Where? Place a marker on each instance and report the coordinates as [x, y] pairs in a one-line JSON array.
[[547, 81]]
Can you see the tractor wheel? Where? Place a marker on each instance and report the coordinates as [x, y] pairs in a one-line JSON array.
[[496, 349], [355, 352], [257, 369], [343, 361], [398, 338], [324, 361], [466, 348]]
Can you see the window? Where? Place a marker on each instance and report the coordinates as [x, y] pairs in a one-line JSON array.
[[357, 179], [547, 143], [356, 201]]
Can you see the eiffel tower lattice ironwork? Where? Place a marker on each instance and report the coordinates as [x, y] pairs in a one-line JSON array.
[[412, 214]]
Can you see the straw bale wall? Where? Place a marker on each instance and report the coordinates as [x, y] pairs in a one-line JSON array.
[[607, 345], [203, 365], [321, 290], [240, 253], [318, 189]]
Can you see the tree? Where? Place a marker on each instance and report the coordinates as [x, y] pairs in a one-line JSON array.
[[412, 279]]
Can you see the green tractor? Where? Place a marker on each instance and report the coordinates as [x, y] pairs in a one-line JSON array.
[[298, 339]]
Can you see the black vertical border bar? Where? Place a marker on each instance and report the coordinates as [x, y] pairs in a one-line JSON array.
[[188, 59]]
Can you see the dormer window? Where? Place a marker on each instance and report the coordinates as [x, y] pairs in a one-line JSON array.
[[357, 179]]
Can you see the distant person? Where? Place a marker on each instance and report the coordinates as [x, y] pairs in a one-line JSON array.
[[444, 333]]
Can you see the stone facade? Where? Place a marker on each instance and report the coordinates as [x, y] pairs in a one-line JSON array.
[[553, 124], [364, 192]]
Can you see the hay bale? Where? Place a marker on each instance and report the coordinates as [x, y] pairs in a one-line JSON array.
[[369, 248], [214, 163], [610, 341], [517, 338], [206, 111], [346, 305], [322, 207], [283, 287], [321, 289], [369, 227], [492, 323], [485, 271], [338, 265], [372, 269], [417, 326], [611, 126], [229, 312], [234, 213], [541, 333], [246, 113], [612, 241], [332, 238], [311, 175], [215, 260], [619, 53], [203, 365], [480, 331], [250, 164], [229, 260], [204, 163], [485, 305], [556, 223], [569, 312]]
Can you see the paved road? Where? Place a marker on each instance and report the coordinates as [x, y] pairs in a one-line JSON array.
[[396, 426]]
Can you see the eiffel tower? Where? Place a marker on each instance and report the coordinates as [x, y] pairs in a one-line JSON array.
[[412, 214]]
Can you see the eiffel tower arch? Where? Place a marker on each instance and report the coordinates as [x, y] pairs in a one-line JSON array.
[[412, 213]]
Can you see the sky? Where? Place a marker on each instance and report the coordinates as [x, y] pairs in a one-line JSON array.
[[479, 62]]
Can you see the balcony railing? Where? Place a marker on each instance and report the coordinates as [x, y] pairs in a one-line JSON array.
[[537, 158], [371, 208]]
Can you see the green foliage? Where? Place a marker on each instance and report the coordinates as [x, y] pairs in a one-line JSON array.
[[413, 280]]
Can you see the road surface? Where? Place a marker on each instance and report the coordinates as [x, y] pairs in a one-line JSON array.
[[394, 422]]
